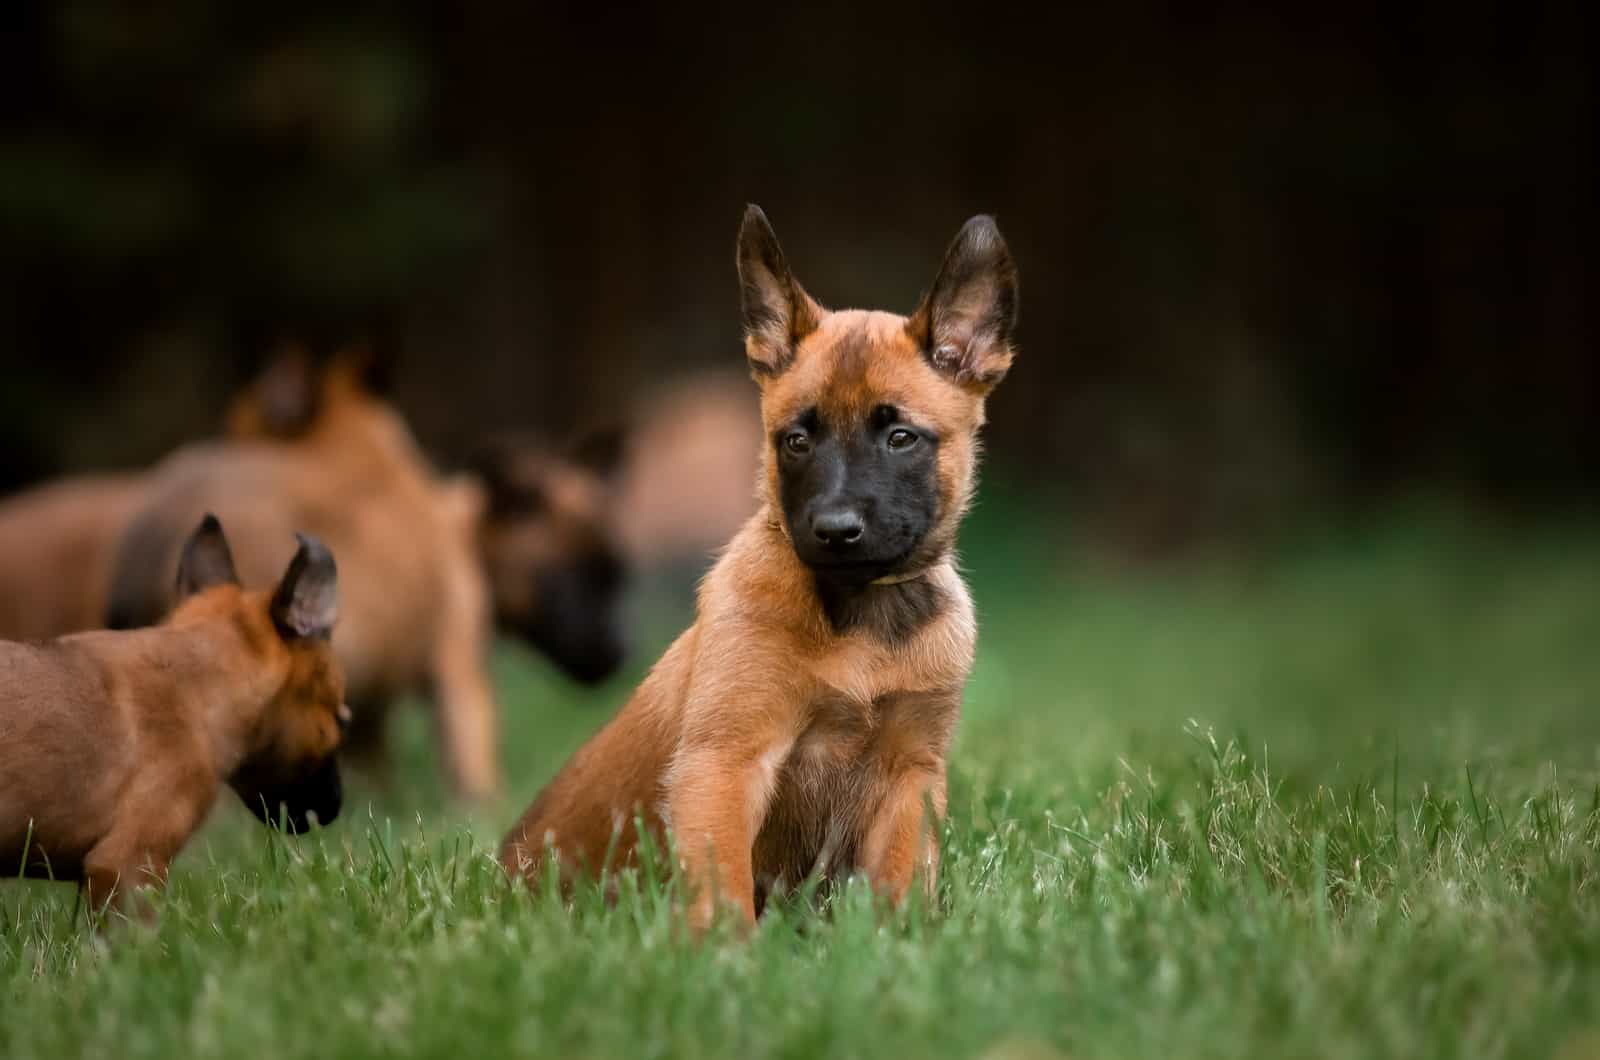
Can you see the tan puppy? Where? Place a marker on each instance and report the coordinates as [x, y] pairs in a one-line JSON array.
[[113, 746], [429, 563], [801, 725]]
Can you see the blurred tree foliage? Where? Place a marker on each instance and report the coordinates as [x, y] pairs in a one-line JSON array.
[[1270, 258]]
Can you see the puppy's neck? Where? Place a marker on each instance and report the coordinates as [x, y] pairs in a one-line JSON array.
[[891, 608], [890, 611], [202, 674]]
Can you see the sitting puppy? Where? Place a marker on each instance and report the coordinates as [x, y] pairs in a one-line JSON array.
[[801, 725], [113, 746]]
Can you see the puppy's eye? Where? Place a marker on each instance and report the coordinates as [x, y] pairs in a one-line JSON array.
[[900, 438], [797, 442]]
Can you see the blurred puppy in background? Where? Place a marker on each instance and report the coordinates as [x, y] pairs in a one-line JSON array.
[[688, 477], [113, 746], [58, 541], [555, 568], [432, 563]]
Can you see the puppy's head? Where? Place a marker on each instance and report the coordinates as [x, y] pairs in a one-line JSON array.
[[872, 418], [554, 567], [338, 399], [283, 401], [290, 760]]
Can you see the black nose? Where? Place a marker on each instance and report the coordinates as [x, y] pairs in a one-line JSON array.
[[837, 528]]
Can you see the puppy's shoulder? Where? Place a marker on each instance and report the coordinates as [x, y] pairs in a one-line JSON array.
[[757, 581]]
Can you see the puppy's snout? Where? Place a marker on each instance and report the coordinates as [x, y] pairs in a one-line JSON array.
[[838, 528]]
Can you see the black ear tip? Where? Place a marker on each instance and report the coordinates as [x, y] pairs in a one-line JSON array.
[[755, 225], [315, 551], [210, 524], [982, 230]]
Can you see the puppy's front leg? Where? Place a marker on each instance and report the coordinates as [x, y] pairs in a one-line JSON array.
[[902, 836], [468, 718], [718, 799], [902, 842], [112, 870], [159, 814]]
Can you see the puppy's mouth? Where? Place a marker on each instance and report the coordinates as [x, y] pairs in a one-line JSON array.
[[588, 652], [292, 805]]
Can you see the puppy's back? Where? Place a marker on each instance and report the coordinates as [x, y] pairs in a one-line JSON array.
[[57, 546], [242, 483]]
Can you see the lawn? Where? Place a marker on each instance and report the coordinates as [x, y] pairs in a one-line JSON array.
[[1341, 799]]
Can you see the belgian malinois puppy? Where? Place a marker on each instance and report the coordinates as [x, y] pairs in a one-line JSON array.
[[430, 562], [800, 726], [113, 746]]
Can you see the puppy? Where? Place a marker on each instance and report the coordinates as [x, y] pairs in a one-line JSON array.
[[431, 564], [800, 727], [113, 746]]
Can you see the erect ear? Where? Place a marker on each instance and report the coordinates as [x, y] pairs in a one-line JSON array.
[[206, 560], [307, 601], [601, 450], [506, 467], [366, 356], [966, 319], [776, 310], [282, 401], [365, 367]]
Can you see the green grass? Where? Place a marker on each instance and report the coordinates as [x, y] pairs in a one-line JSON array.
[[1343, 801]]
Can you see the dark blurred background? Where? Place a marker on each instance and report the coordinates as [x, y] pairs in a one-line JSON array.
[[1273, 262]]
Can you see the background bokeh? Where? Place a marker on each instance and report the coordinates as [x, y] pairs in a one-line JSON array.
[[1273, 262]]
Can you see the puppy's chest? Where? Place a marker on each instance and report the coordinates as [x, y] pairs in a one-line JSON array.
[[870, 705], [835, 776], [821, 789], [838, 736]]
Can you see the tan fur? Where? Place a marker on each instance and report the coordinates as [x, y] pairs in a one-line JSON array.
[[771, 745], [689, 480], [113, 746], [57, 545]]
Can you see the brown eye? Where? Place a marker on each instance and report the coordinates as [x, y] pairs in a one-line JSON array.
[[900, 438], [798, 442]]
